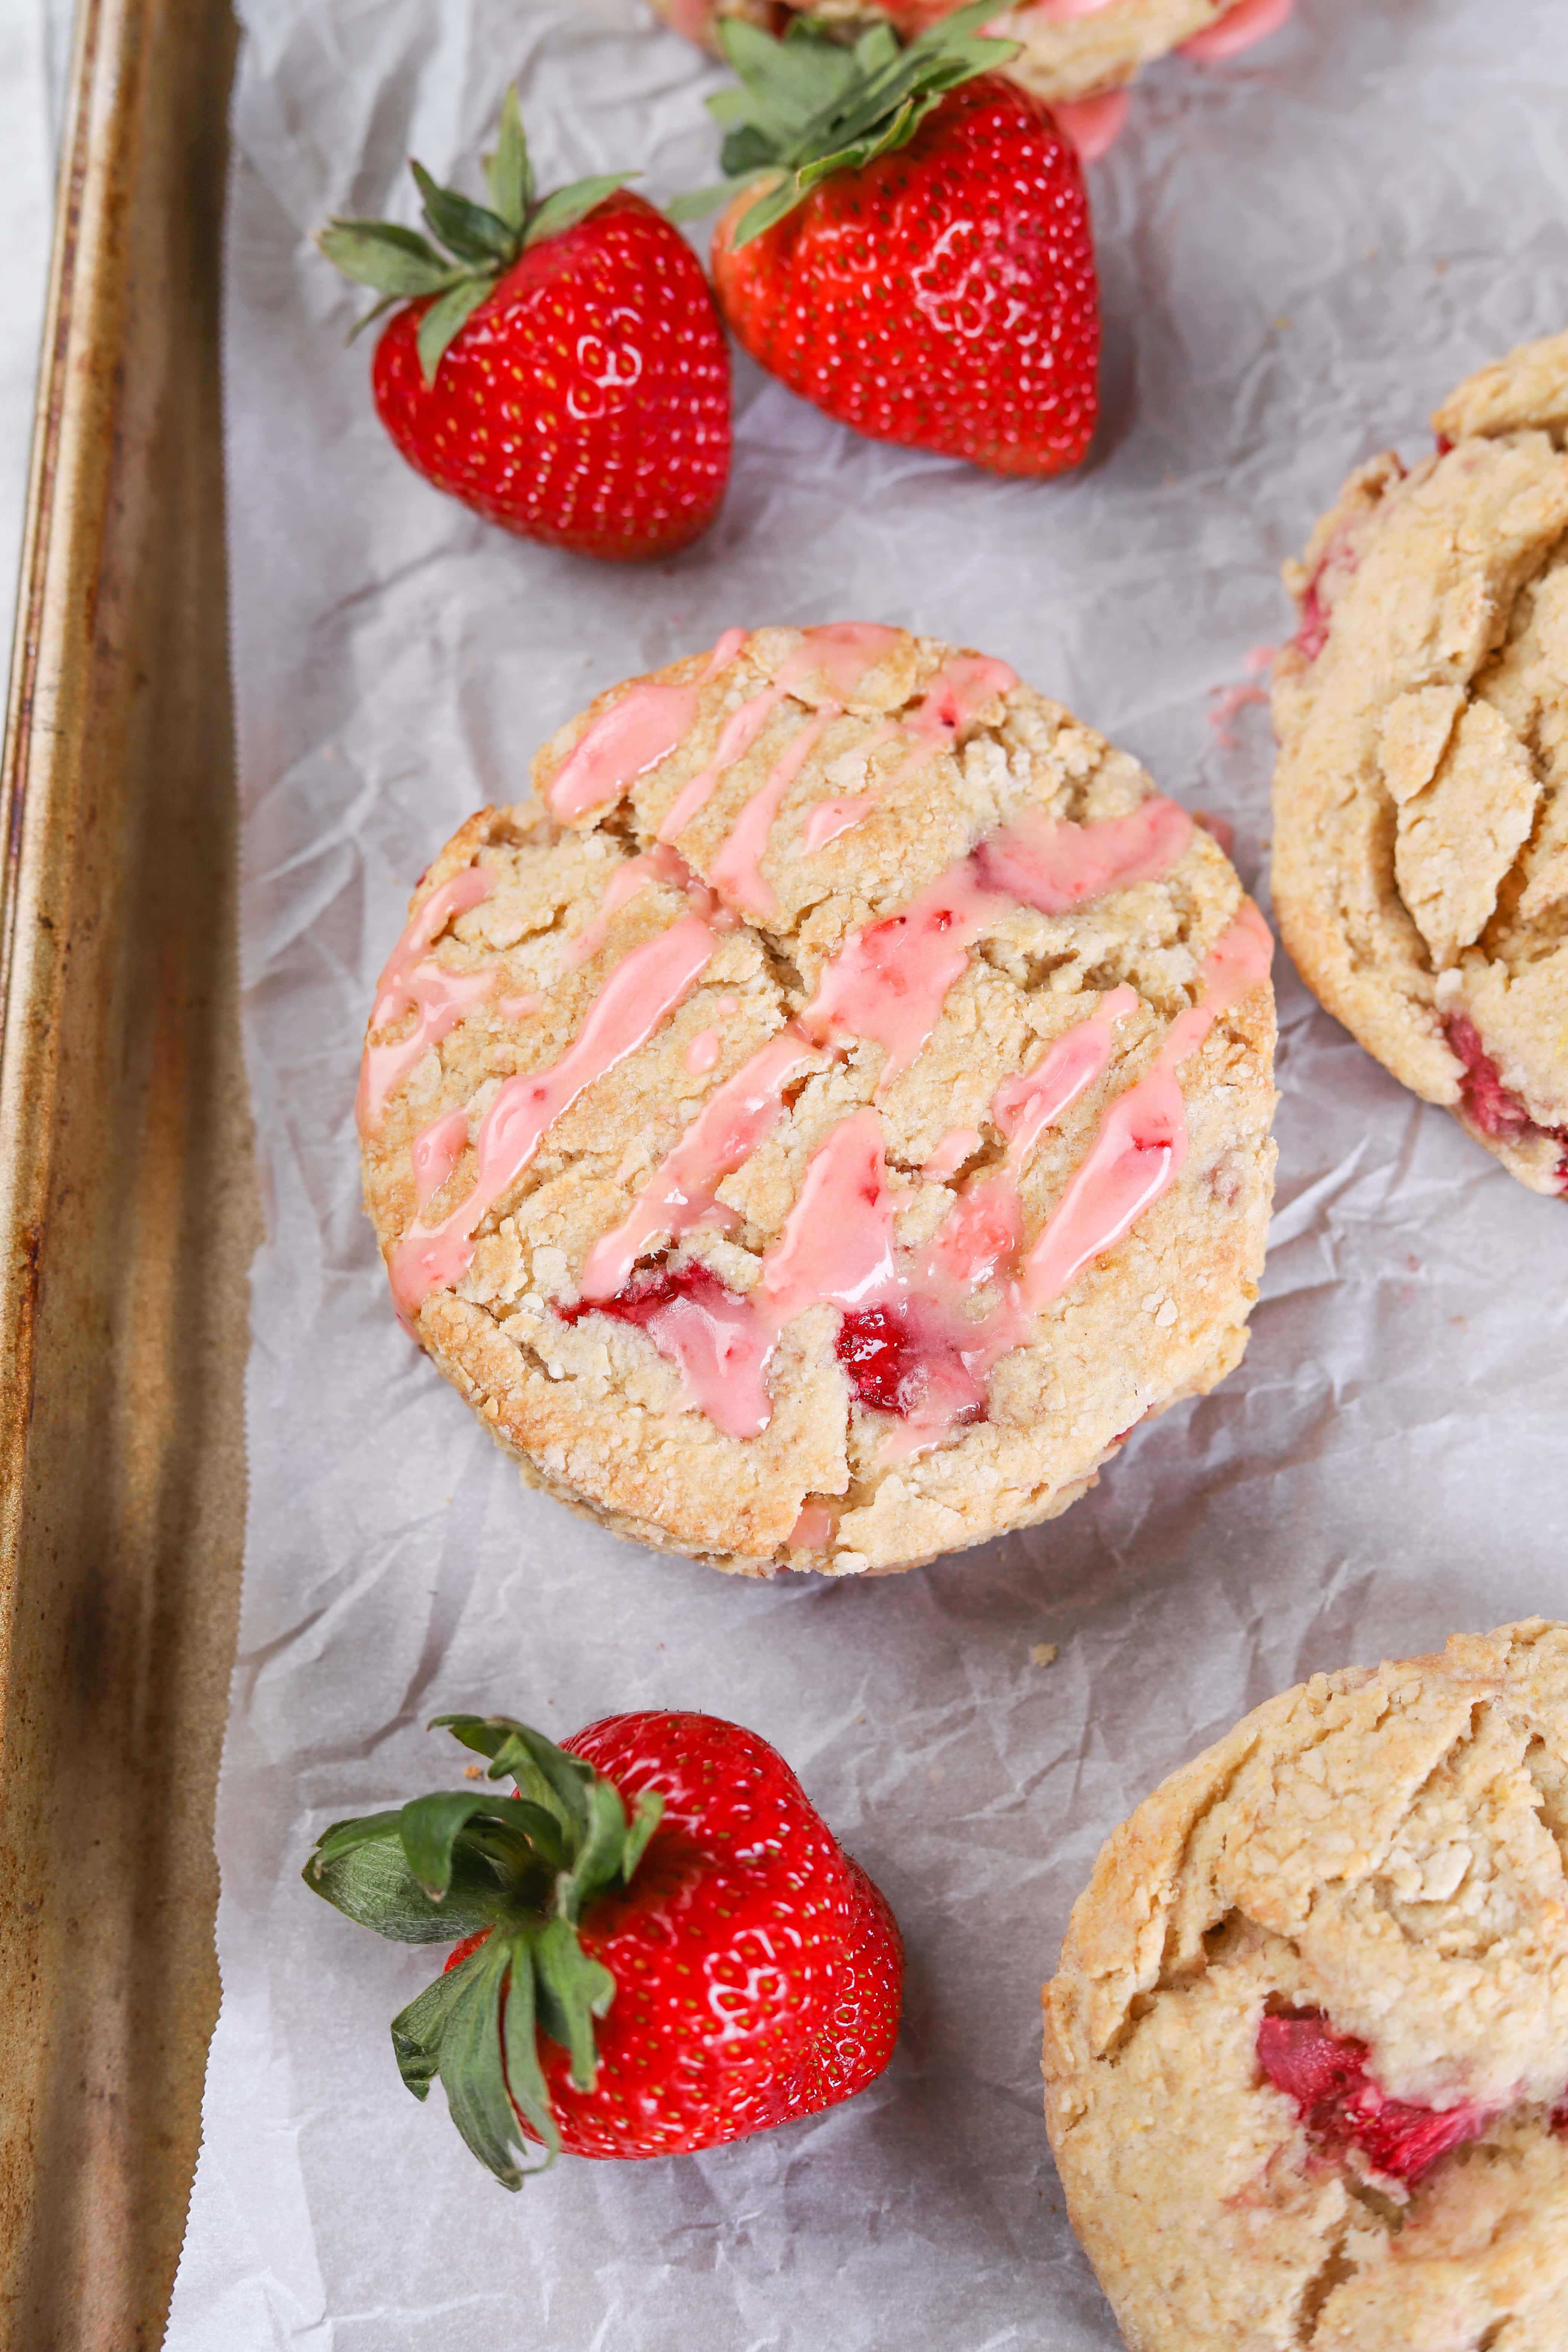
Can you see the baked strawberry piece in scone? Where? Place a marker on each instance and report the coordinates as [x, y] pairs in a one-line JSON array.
[[662, 1947], [1306, 2052], [816, 1128], [1068, 50], [1421, 794]]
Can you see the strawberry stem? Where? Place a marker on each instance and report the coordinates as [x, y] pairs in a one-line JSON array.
[[519, 1871], [807, 107], [470, 247]]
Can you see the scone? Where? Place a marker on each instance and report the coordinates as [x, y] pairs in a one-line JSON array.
[[823, 1121], [1072, 49], [1421, 795], [1306, 2054]]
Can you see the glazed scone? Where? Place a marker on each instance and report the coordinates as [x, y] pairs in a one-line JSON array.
[[1306, 2052], [1421, 794], [819, 1125], [1070, 51]]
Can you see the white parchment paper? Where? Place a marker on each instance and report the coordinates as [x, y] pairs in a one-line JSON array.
[[1299, 255]]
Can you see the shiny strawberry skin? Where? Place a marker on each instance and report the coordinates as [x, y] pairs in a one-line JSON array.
[[944, 296], [758, 1971], [586, 402]]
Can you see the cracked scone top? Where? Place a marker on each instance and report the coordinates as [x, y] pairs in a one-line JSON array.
[[816, 1127], [1421, 796], [1068, 50], [1306, 2052]]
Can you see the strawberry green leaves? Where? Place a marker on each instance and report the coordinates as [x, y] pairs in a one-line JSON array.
[[518, 1870], [807, 107], [469, 245]]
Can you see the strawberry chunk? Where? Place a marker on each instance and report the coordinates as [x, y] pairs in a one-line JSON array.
[[876, 1348], [645, 1294], [1341, 2107], [1495, 1110]]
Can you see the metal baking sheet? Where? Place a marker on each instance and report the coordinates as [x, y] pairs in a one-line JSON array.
[[127, 1205]]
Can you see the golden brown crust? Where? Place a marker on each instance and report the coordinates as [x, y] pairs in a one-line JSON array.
[[1386, 1847]]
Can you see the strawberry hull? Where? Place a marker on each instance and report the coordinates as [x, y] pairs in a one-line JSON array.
[[943, 297]]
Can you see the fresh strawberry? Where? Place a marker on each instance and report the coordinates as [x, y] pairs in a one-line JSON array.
[[624, 1987], [559, 366], [910, 246]]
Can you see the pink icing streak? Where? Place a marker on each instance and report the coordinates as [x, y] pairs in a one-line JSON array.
[[682, 1192], [1055, 867], [959, 1144], [1092, 125], [413, 981], [633, 736], [1252, 20], [724, 653], [1142, 1139], [814, 1530], [436, 1152], [841, 651], [828, 819], [1024, 1107], [740, 730], [702, 1052], [657, 864], [736, 873], [644, 987], [888, 982]]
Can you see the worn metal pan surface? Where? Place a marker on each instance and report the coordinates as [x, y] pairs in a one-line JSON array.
[[126, 1207]]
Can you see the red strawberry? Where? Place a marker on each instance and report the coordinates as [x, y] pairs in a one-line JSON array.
[[715, 1967], [560, 368], [917, 261]]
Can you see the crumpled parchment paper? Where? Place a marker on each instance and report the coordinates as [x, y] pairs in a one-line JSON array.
[[1299, 255]]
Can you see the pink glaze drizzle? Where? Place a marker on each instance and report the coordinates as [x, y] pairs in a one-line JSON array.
[[1252, 20], [1142, 1139], [740, 730], [828, 819], [436, 1152], [413, 981], [683, 1189], [814, 1530], [736, 873], [633, 736], [959, 1144], [911, 1314], [702, 1052], [657, 864], [645, 986], [1024, 1107], [888, 982]]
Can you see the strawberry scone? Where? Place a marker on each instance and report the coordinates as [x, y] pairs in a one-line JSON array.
[[1421, 794], [1306, 2052], [1070, 50], [823, 1121]]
